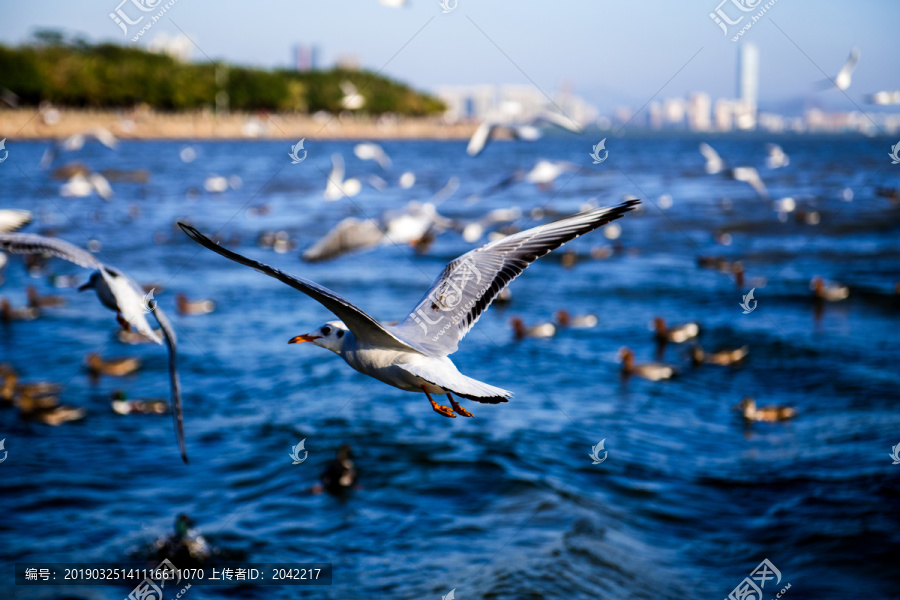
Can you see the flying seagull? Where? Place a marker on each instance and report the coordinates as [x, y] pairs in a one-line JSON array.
[[117, 292], [842, 80], [413, 355], [512, 123]]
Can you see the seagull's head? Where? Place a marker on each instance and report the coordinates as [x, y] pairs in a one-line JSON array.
[[91, 284], [331, 335]]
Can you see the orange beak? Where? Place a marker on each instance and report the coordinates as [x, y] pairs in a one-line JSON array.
[[303, 338]]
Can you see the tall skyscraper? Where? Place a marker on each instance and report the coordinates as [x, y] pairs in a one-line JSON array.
[[748, 75]]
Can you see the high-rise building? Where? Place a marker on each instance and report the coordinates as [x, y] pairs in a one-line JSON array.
[[748, 75], [306, 58]]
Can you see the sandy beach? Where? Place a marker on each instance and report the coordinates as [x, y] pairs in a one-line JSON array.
[[29, 123]]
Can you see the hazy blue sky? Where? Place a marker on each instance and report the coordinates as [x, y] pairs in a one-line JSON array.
[[611, 51]]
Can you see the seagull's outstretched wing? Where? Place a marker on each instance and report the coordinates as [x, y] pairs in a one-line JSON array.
[[30, 243], [174, 381], [13, 219], [364, 327], [469, 284], [480, 138]]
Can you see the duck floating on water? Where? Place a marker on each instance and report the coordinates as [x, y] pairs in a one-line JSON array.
[[8, 314], [184, 306], [828, 292], [111, 367], [36, 300], [565, 320], [722, 358], [521, 331], [124, 406], [652, 371], [340, 475], [766, 414], [676, 333], [185, 546]]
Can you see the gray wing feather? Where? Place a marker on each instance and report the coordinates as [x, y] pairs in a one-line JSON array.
[[30, 243], [364, 327], [469, 284]]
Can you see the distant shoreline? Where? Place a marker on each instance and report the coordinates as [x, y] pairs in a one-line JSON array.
[[29, 124]]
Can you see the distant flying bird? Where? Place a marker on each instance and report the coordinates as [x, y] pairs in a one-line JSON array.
[[80, 185], [117, 292], [842, 79], [714, 162], [352, 99], [750, 175], [776, 157], [337, 187], [509, 119], [370, 151], [413, 355], [76, 142], [542, 174]]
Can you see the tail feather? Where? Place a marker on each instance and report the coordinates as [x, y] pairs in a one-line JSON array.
[[459, 384]]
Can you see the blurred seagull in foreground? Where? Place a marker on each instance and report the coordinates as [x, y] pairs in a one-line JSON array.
[[413, 355], [370, 151], [337, 187], [511, 121], [117, 292]]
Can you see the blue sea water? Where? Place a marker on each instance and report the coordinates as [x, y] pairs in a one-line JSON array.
[[507, 505]]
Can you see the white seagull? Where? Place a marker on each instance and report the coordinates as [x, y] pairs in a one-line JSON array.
[[714, 162], [510, 119], [843, 78], [413, 355], [117, 292], [370, 151], [338, 187]]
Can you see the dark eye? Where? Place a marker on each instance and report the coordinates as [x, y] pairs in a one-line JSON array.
[[340, 333], [326, 330]]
